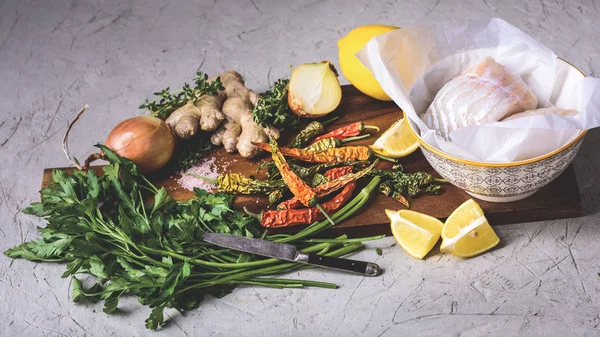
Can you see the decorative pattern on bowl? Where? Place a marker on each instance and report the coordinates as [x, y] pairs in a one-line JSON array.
[[503, 183]]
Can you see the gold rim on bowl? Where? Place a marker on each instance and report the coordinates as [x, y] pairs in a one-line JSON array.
[[514, 163]]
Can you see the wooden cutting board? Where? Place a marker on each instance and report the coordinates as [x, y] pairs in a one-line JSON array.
[[559, 199]]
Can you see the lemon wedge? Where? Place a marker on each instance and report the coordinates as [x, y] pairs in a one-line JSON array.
[[415, 232], [467, 232], [397, 141]]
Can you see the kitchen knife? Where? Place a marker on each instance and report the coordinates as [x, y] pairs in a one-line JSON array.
[[289, 252]]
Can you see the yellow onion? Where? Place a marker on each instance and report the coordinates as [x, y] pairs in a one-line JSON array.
[[145, 140], [314, 90]]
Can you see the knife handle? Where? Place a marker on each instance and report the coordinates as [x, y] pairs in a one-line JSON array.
[[361, 267]]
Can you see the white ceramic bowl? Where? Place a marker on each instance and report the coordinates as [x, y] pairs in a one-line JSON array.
[[502, 182]]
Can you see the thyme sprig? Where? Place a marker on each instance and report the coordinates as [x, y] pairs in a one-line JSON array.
[[167, 101], [272, 107]]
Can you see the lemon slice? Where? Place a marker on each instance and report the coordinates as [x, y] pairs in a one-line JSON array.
[[397, 141], [415, 232], [467, 232]]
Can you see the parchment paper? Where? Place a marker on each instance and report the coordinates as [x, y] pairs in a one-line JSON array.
[[412, 64]]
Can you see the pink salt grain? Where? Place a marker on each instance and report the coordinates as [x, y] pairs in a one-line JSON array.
[[204, 168]]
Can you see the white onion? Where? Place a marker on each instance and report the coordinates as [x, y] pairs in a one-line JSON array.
[[314, 90]]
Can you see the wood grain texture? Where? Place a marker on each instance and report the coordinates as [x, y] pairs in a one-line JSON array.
[[560, 199]]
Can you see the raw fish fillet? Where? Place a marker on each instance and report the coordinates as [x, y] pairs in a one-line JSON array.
[[484, 93], [542, 111]]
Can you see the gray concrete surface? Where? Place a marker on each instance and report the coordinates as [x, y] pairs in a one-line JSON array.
[[56, 56]]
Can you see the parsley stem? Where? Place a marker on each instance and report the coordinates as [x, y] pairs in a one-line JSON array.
[[268, 285], [287, 283], [287, 280], [268, 270]]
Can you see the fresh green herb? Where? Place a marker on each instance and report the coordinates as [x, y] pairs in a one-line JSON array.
[[167, 101], [378, 251], [272, 108], [103, 226]]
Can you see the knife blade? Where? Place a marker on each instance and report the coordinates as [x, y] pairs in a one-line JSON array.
[[289, 252]]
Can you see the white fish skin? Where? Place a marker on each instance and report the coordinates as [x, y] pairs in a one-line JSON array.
[[542, 111], [486, 92]]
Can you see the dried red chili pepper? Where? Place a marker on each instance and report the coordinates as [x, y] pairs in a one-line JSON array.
[[347, 153], [337, 172], [297, 186], [331, 174], [353, 129], [329, 143], [305, 216], [336, 184]]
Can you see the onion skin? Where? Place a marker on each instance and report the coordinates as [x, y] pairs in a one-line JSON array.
[[145, 140], [297, 107]]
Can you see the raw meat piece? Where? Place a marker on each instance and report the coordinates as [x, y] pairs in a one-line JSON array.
[[486, 92], [542, 111]]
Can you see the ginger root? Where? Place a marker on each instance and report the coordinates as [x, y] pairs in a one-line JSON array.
[[206, 113], [229, 113]]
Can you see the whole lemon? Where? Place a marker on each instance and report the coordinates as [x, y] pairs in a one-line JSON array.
[[351, 66]]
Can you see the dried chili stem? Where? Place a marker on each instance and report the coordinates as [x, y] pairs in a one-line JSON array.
[[372, 127], [385, 157], [350, 139], [329, 121], [257, 216]]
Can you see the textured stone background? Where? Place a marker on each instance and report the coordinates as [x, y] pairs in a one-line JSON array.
[[56, 56]]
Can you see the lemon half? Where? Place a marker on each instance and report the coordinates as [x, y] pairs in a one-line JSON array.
[[467, 232], [352, 68], [415, 232]]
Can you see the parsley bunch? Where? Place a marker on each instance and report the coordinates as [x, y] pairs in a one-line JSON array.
[[166, 101], [103, 225], [272, 108]]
